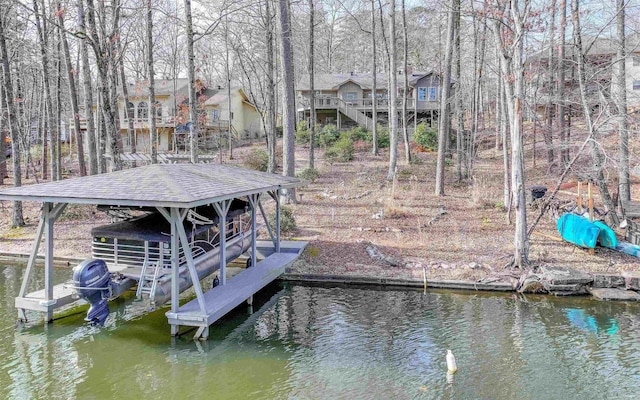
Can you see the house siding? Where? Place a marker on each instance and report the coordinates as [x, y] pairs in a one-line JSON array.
[[350, 87], [427, 82]]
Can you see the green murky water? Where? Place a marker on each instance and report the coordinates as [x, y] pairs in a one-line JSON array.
[[305, 342]]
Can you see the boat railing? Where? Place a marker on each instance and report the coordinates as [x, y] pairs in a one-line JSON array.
[[134, 253]]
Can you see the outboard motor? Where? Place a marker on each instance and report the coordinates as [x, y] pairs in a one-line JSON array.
[[91, 279]]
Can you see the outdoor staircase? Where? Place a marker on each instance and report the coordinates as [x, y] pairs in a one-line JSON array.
[[353, 113]]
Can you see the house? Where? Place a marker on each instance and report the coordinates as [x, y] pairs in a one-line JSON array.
[[599, 61], [172, 114], [346, 100]]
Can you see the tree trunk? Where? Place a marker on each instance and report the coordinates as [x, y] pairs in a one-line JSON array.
[[288, 111], [374, 77], [271, 132], [550, 106], [444, 118], [153, 132], [16, 218], [504, 128], [128, 112], [405, 86], [191, 72], [312, 99], [47, 95], [88, 95], [620, 98], [460, 136], [560, 113], [596, 154], [73, 93], [393, 94], [3, 143]]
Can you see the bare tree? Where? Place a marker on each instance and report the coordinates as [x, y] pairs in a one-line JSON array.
[[312, 99], [374, 76], [288, 110], [191, 71], [14, 127], [88, 92], [444, 118], [42, 40], [619, 93], [597, 157], [153, 132], [271, 89], [393, 93]]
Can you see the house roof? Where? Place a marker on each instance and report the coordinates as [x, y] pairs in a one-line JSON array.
[[364, 80], [597, 46], [156, 185], [162, 87], [220, 97]]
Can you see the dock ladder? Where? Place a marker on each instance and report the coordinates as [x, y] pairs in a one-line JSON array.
[[148, 279]]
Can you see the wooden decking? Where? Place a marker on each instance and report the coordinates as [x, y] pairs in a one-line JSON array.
[[631, 209], [222, 299], [63, 294]]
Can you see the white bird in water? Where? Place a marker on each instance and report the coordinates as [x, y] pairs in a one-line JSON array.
[[452, 367]]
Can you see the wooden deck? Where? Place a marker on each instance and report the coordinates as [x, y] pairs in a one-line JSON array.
[[63, 294], [631, 209], [222, 299]]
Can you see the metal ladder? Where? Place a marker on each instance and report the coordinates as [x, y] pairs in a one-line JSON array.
[[148, 279]]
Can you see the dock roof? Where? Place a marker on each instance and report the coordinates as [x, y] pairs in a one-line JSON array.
[[156, 185]]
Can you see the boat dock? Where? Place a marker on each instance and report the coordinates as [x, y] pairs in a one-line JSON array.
[[173, 191]]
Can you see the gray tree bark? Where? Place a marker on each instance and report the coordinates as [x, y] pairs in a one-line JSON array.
[[393, 93], [312, 99], [550, 106], [560, 112], [271, 132], [88, 93], [191, 72], [73, 94], [405, 86], [596, 153], [620, 98], [374, 77], [153, 132], [444, 119], [53, 133], [288, 110], [17, 218]]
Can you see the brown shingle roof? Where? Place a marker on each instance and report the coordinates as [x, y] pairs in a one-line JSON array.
[[163, 185]]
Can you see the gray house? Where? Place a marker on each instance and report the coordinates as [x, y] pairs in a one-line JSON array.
[[346, 100]]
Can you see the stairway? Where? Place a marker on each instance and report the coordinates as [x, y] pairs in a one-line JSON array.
[[353, 113]]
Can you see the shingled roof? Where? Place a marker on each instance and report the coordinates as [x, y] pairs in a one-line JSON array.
[[365, 80], [156, 185]]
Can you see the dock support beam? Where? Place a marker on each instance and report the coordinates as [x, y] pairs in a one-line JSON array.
[[222, 209], [175, 265], [253, 201]]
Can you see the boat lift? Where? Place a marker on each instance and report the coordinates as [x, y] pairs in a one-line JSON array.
[[173, 190]]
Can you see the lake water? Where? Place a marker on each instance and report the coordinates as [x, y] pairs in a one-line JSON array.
[[312, 342]]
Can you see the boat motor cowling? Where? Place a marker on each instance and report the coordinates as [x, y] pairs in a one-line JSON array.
[[91, 279]]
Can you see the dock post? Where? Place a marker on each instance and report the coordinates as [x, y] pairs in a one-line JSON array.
[[222, 209], [175, 277], [253, 200], [277, 198], [30, 264], [48, 260]]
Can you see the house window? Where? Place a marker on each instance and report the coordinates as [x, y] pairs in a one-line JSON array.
[[349, 96], [131, 110], [215, 115], [433, 93], [422, 94], [636, 85], [158, 108], [143, 110]]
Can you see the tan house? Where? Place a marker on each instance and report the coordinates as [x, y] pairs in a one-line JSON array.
[[172, 114], [346, 100]]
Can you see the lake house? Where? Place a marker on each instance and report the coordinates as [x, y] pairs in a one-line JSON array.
[[346, 100]]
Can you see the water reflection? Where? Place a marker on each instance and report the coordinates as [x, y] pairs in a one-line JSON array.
[[332, 343]]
